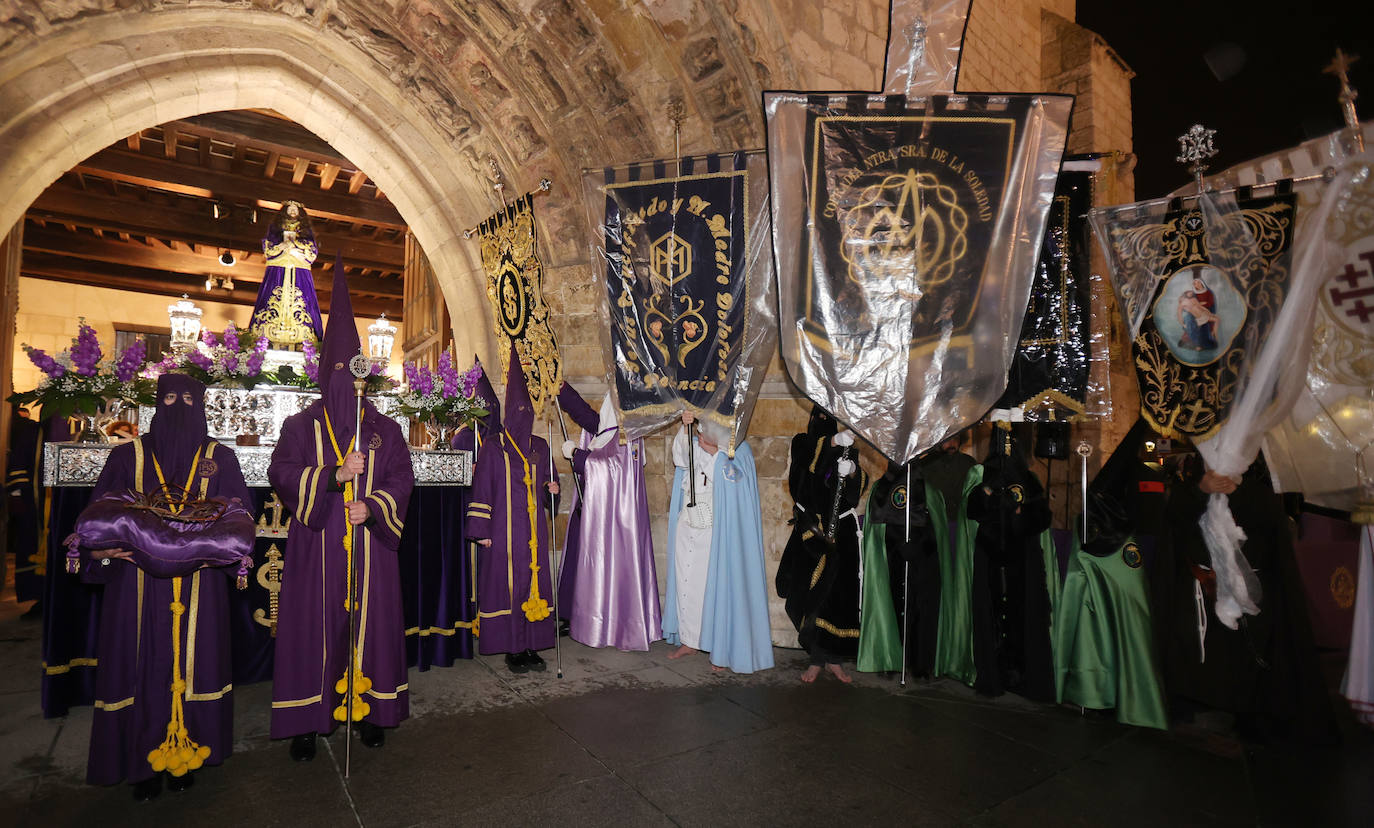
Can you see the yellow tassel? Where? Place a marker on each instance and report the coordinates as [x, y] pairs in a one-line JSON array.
[[178, 754]]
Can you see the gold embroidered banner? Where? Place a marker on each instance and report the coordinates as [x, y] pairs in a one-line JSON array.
[[1215, 278], [515, 286]]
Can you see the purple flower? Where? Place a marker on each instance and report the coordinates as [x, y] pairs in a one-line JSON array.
[[85, 351], [45, 363], [448, 375], [376, 369], [470, 379], [208, 337], [231, 363], [200, 360], [126, 367], [231, 337], [254, 366], [260, 347], [312, 361], [424, 382]]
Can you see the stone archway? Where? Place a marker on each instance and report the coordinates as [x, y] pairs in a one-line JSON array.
[[73, 93]]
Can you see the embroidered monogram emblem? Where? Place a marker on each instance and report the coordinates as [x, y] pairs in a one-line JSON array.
[[1130, 553], [208, 468], [375, 442]]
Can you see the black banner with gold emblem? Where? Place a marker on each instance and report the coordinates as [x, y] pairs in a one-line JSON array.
[[1050, 369], [899, 228], [685, 268], [515, 286], [1218, 282]]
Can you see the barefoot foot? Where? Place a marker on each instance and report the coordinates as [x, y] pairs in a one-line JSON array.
[[837, 670], [810, 674], [684, 650], [716, 668]]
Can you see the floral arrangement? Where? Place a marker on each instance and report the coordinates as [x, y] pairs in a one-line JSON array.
[[377, 382], [228, 359], [443, 397], [80, 381]]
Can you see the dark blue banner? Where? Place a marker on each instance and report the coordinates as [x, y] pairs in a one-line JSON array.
[[677, 279]]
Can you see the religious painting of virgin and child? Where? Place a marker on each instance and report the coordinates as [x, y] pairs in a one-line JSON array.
[[1198, 313]]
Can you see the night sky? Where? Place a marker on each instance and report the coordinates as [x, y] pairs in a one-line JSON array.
[[1267, 91]]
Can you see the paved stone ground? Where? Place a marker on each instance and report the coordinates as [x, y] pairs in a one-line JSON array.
[[637, 739]]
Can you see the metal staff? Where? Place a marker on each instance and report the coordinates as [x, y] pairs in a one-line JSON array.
[[691, 463], [360, 367], [563, 427], [553, 540], [906, 570]]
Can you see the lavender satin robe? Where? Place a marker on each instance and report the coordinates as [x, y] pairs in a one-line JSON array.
[[312, 626], [133, 679], [616, 601]]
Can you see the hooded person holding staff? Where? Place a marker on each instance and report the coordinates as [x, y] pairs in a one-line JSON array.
[[348, 500]]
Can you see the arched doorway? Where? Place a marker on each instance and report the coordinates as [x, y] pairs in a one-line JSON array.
[[73, 93]]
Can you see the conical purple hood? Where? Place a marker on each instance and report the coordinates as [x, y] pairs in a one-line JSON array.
[[340, 345], [491, 424], [518, 414]]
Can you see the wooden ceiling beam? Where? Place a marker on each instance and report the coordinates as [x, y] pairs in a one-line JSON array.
[[160, 174], [160, 257], [284, 137], [298, 174], [356, 182], [169, 142], [328, 173], [193, 222], [161, 283]]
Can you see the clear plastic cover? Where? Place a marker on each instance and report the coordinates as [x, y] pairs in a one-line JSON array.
[[1053, 374], [1323, 447], [924, 40], [906, 232], [685, 269]]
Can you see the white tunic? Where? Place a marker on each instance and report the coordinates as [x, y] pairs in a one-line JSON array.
[[692, 547]]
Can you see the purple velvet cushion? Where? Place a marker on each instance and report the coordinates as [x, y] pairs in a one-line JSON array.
[[162, 546]]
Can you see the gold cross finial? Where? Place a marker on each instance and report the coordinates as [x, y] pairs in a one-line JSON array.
[[1340, 67]]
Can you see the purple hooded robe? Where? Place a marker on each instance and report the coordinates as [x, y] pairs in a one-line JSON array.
[[312, 622], [133, 679], [501, 510]]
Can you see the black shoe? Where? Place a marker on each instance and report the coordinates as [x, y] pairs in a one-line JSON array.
[[515, 662], [148, 789], [303, 747], [534, 662], [372, 735], [177, 784], [33, 612], [564, 628]]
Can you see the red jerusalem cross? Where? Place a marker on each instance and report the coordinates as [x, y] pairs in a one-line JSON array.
[[1353, 276]]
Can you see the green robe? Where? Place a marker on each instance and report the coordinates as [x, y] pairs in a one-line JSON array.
[[880, 638], [954, 642], [1104, 650]]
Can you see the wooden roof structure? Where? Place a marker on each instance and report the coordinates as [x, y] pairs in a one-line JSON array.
[[155, 213]]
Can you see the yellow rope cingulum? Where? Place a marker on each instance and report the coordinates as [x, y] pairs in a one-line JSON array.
[[178, 754], [361, 683], [536, 608]]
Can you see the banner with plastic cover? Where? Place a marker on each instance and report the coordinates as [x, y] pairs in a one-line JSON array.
[[1220, 289], [1050, 373], [906, 233], [687, 290]]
